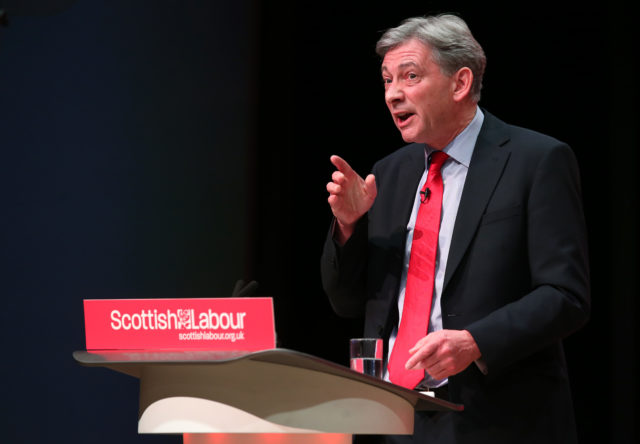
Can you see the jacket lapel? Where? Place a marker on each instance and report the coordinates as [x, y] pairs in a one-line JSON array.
[[487, 164]]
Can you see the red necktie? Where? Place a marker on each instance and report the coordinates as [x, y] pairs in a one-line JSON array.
[[420, 276]]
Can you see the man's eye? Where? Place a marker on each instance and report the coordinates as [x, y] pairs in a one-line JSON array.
[[386, 81], [412, 76]]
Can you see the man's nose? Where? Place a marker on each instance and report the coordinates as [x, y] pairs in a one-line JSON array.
[[393, 93]]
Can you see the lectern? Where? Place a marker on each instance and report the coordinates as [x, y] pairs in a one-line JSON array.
[[199, 393]]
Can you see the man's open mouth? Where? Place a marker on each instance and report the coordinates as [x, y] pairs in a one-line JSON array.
[[403, 117]]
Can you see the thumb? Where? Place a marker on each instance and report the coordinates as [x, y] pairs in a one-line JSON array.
[[370, 185]]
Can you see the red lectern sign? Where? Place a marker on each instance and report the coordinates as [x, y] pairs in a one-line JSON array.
[[235, 324]]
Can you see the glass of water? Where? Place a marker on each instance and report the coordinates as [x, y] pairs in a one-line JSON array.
[[366, 356]]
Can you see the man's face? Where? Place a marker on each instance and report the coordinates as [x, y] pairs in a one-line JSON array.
[[418, 94]]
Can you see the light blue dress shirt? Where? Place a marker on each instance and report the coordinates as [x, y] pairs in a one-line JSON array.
[[454, 174]]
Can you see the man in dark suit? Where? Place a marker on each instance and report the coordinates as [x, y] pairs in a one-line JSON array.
[[510, 277]]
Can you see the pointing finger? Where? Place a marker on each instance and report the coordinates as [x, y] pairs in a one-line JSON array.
[[342, 165]]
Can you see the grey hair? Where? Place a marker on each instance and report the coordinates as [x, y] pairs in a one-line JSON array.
[[452, 44]]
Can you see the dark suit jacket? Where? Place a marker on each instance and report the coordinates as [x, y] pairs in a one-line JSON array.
[[517, 278]]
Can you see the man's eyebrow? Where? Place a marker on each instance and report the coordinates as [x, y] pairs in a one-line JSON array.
[[401, 66]]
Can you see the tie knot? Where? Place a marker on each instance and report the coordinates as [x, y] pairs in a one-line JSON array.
[[437, 159]]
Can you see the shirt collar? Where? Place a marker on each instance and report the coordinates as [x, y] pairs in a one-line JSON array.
[[461, 147]]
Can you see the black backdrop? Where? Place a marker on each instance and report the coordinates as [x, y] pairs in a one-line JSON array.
[[166, 149]]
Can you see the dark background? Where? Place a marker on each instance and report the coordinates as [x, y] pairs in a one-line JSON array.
[[169, 148]]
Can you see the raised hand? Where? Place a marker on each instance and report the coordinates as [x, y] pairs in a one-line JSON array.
[[350, 197]]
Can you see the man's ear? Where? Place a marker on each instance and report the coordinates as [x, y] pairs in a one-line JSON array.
[[463, 79]]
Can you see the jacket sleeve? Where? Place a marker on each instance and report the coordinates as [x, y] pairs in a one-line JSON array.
[[343, 271]]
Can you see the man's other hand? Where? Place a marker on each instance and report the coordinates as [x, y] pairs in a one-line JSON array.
[[444, 353]]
